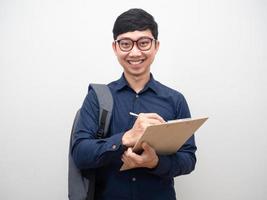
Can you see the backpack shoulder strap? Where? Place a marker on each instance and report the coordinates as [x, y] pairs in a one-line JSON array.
[[80, 187], [77, 184], [105, 101]]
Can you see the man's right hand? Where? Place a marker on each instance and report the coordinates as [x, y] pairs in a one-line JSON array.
[[142, 122]]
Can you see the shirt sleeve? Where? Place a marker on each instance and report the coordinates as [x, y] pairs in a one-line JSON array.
[[87, 151], [184, 160]]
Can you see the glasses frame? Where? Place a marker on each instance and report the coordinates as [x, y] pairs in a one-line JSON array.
[[134, 42]]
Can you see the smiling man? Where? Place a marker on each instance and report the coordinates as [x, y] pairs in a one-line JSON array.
[[135, 52], [149, 176]]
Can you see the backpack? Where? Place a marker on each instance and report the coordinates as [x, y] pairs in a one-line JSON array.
[[81, 187]]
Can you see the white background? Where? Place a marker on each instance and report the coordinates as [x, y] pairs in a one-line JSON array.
[[214, 52]]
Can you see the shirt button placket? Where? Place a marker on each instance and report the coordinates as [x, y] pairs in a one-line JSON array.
[[135, 190]]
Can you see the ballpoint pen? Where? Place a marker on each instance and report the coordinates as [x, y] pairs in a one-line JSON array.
[[133, 114]]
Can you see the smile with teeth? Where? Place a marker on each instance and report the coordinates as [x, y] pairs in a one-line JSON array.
[[135, 62]]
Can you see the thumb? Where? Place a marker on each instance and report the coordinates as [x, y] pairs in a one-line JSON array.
[[146, 147]]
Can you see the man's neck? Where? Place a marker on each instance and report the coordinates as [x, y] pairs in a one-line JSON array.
[[137, 83]]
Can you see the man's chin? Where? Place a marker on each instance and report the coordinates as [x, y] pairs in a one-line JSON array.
[[137, 72]]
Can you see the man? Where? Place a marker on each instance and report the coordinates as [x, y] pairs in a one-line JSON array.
[[150, 176]]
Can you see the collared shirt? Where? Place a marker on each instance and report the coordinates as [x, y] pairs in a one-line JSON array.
[[104, 155]]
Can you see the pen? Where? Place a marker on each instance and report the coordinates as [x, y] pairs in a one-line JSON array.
[[133, 114]]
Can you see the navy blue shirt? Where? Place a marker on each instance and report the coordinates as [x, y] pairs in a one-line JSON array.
[[104, 155]]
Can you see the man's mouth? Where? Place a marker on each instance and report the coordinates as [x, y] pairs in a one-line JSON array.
[[135, 62]]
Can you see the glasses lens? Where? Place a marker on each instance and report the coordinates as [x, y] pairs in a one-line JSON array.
[[126, 44], [144, 43]]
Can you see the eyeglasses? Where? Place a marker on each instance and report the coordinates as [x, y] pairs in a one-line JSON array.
[[127, 44]]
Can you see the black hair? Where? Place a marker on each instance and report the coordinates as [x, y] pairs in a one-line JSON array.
[[135, 19]]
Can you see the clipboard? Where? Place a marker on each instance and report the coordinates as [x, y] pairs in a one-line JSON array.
[[168, 138]]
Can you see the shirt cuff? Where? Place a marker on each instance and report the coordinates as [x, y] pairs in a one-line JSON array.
[[114, 142]]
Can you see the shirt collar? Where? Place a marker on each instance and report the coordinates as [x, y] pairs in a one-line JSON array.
[[151, 84]]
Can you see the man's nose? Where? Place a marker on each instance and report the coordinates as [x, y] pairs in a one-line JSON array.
[[135, 51]]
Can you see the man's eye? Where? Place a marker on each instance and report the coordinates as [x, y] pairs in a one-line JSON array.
[[125, 44], [144, 43]]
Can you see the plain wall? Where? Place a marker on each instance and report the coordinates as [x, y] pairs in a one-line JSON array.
[[214, 52]]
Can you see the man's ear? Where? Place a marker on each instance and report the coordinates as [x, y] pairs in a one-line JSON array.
[[114, 47], [157, 44]]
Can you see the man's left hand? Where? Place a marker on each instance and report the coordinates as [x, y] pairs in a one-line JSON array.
[[148, 158]]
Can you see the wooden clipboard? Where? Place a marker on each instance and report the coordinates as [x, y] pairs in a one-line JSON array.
[[167, 138]]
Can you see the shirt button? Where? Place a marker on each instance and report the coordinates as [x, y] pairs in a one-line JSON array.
[[137, 96], [133, 179], [114, 146]]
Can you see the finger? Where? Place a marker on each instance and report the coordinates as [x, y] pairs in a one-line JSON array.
[[125, 159], [135, 158], [147, 148], [152, 116], [152, 121], [148, 122], [129, 156], [128, 162], [129, 151], [150, 154]]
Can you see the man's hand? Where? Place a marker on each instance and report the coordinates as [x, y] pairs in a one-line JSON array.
[[148, 158], [142, 122]]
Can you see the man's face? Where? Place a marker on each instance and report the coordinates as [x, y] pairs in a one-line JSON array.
[[136, 62]]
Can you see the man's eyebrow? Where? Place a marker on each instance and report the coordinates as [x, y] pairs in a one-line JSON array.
[[123, 38]]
